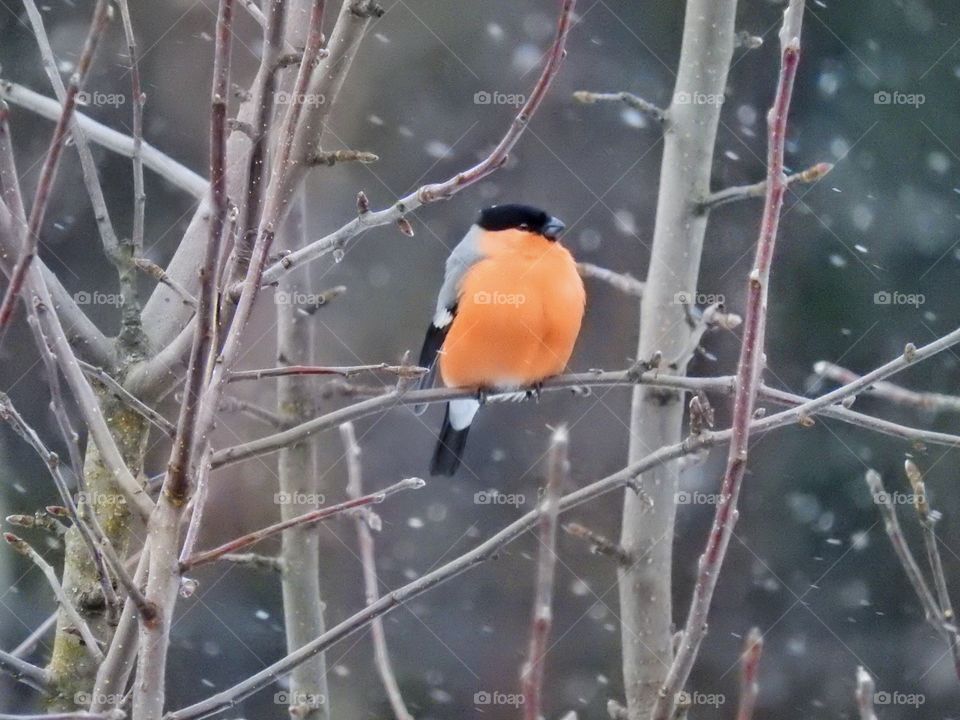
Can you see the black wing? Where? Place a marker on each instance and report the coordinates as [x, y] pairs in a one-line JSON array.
[[428, 354]]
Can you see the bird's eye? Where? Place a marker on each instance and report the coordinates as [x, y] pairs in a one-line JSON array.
[[524, 226]]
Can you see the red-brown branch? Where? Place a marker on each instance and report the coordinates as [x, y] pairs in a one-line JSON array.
[[749, 370], [51, 163]]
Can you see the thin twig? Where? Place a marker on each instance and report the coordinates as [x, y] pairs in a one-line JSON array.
[[231, 404], [801, 410], [23, 671], [811, 175], [139, 194], [626, 284], [629, 99], [936, 402], [162, 164], [161, 276], [113, 247], [864, 695], [406, 371], [892, 524], [599, 544], [749, 674], [370, 579], [446, 189], [558, 474], [749, 371], [310, 518], [94, 542], [30, 642], [51, 163], [137, 405], [89, 641], [928, 519]]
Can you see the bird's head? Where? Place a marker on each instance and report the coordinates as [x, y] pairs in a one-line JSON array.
[[524, 218]]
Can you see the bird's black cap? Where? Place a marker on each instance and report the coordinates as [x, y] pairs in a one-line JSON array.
[[524, 217]]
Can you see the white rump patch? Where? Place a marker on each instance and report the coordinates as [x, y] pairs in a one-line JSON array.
[[462, 412]]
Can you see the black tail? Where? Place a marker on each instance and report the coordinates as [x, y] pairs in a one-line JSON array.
[[449, 450]]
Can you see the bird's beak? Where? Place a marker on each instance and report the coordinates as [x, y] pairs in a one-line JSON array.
[[553, 228]]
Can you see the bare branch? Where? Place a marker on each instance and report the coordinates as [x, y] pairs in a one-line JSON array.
[[23, 671], [864, 694], [370, 579], [89, 641], [629, 99], [51, 163], [749, 372], [11, 416], [626, 284], [403, 371], [332, 157], [558, 475], [812, 174], [310, 518], [163, 165], [749, 674], [160, 275], [446, 189], [129, 398], [936, 402], [598, 543]]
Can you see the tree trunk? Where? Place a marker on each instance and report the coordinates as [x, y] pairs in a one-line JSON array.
[[657, 414], [72, 671]]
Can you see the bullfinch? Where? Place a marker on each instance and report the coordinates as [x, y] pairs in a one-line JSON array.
[[507, 316]]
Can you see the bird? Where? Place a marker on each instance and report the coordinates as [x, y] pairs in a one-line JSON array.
[[507, 317]]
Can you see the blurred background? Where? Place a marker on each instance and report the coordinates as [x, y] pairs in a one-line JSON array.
[[810, 563]]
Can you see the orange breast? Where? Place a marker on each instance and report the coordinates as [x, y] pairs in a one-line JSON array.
[[518, 315]]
